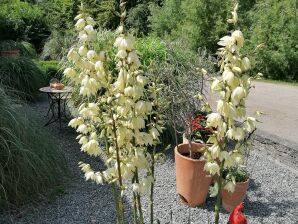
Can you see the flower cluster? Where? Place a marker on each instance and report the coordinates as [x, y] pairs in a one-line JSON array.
[[233, 88], [118, 108], [199, 129]]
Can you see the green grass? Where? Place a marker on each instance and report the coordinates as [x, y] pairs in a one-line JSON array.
[[282, 82], [31, 164]]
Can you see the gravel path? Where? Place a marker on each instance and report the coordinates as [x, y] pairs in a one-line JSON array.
[[272, 196]]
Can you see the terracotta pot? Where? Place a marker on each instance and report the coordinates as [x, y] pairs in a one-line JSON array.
[[191, 179], [11, 53], [231, 199]]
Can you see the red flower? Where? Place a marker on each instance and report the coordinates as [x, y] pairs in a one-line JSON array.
[[237, 217], [196, 124]]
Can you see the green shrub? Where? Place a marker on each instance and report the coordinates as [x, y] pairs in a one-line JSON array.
[[30, 162], [151, 49], [51, 69], [274, 23], [166, 19], [22, 75], [198, 23], [137, 19], [23, 21]]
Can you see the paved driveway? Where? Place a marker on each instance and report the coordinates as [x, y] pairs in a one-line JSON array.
[[280, 103]]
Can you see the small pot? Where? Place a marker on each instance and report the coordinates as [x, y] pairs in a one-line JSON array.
[[191, 179], [15, 53], [231, 199]]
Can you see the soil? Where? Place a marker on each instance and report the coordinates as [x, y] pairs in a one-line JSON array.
[[196, 155]]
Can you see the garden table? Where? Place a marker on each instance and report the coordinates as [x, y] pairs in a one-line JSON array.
[[56, 97]]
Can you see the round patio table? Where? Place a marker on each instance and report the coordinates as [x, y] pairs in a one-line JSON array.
[[56, 97]]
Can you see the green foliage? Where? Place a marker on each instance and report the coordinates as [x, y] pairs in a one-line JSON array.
[[30, 163], [59, 14], [274, 23], [56, 45], [198, 23], [22, 75], [137, 19], [166, 19], [240, 174], [51, 69], [23, 21], [151, 49]]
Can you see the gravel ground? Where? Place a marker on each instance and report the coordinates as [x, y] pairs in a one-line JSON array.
[[272, 196]]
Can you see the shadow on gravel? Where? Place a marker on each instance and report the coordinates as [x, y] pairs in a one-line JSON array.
[[273, 204], [81, 202]]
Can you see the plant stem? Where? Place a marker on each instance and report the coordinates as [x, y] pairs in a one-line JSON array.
[[114, 188], [152, 187], [135, 216], [121, 205], [116, 202], [141, 219], [219, 182], [189, 138]]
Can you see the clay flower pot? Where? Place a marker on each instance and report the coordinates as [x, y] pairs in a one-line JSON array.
[[191, 179], [231, 199], [11, 53]]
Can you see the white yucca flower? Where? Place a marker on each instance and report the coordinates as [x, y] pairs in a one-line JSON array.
[[230, 186], [80, 24], [214, 120], [212, 168], [83, 50]]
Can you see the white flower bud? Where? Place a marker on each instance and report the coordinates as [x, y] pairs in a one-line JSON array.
[[91, 55], [78, 17], [89, 29], [121, 54], [83, 50], [245, 64], [90, 21], [212, 168], [237, 95], [230, 186], [80, 24], [70, 72], [73, 55], [237, 34], [214, 120]]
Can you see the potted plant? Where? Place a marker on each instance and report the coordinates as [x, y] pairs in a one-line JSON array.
[[191, 179], [234, 195], [9, 49]]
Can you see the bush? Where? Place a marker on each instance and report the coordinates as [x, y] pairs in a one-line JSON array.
[[23, 21], [178, 69], [51, 69], [151, 49], [30, 164], [198, 23], [274, 23], [22, 75]]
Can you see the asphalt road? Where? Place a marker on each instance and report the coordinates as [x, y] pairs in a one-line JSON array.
[[279, 102]]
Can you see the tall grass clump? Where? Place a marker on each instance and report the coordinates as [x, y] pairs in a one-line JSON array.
[[31, 164], [21, 74]]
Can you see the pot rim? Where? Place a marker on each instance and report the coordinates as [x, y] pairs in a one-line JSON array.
[[187, 158], [243, 182]]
